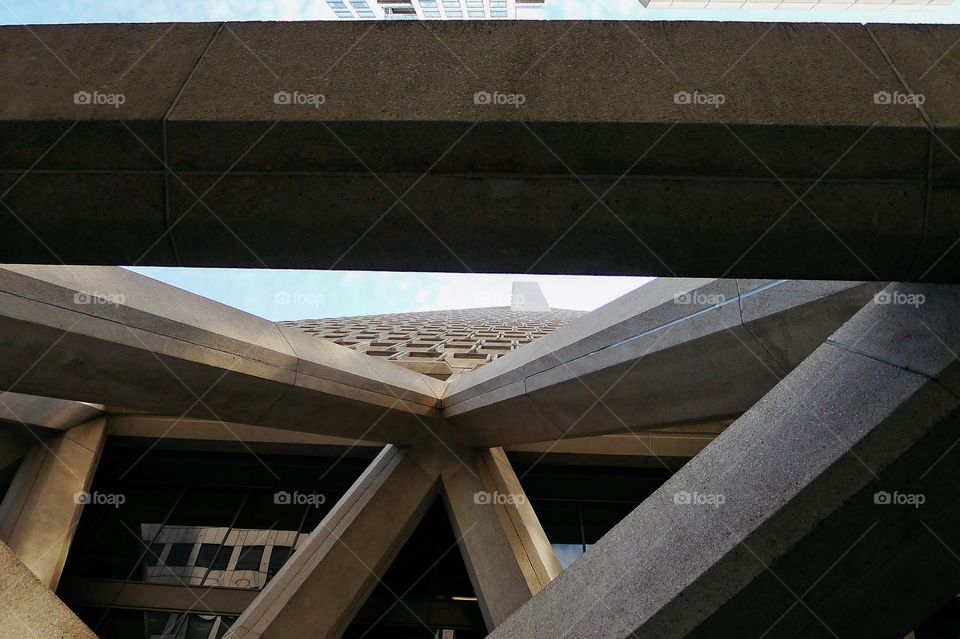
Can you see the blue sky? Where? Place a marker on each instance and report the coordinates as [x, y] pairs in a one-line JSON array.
[[279, 295], [284, 295]]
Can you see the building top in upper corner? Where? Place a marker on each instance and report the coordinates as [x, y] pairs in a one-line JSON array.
[[435, 9], [443, 344]]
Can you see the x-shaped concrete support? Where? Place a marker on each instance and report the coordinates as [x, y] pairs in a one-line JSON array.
[[505, 550]]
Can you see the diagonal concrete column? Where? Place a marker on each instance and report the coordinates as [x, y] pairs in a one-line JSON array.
[[504, 547], [828, 509], [41, 509], [322, 587], [29, 608], [89, 327], [658, 356]]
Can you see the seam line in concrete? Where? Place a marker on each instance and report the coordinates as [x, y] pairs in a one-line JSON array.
[[783, 369], [679, 320], [492, 175], [296, 374], [877, 358], [903, 81], [931, 127], [163, 136]]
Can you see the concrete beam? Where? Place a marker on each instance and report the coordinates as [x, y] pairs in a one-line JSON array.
[[673, 352], [238, 436], [40, 511], [80, 333], [30, 608], [828, 509], [609, 170], [30, 419], [45, 412], [504, 547], [670, 447], [321, 588]]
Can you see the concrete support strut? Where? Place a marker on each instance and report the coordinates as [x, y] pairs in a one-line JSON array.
[[80, 332], [507, 554], [40, 510], [323, 585], [321, 589], [650, 359], [658, 356], [828, 509], [793, 151]]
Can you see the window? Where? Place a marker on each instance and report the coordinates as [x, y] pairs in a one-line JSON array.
[[278, 557], [223, 558], [153, 554], [199, 626], [206, 555], [250, 557], [179, 555]]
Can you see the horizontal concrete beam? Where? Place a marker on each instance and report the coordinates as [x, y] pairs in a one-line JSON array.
[[671, 447], [205, 431], [203, 600], [828, 509], [45, 412], [672, 352], [111, 336], [674, 148]]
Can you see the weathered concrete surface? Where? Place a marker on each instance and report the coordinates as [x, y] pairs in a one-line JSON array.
[[672, 352], [40, 511], [804, 542], [504, 547], [108, 335], [700, 194], [320, 589], [28, 608]]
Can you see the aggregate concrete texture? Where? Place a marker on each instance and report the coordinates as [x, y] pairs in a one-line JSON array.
[[285, 153]]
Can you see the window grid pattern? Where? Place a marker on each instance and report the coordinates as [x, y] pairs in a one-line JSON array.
[[435, 9], [441, 343]]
